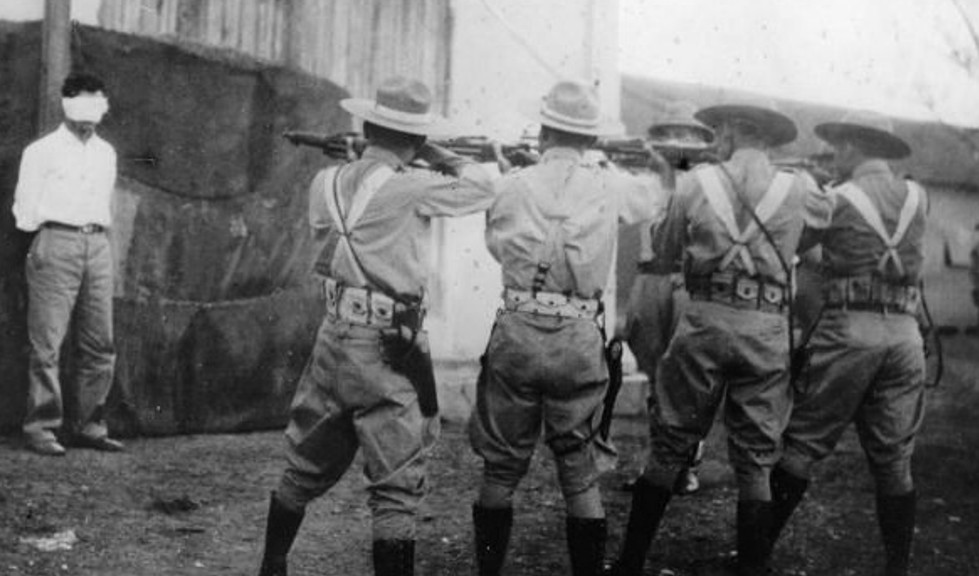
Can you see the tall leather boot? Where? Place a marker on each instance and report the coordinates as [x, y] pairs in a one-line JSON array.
[[491, 527], [648, 506], [754, 537], [586, 545], [280, 532], [394, 557], [895, 514], [787, 492]]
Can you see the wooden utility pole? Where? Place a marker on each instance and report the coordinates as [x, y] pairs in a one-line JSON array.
[[55, 61]]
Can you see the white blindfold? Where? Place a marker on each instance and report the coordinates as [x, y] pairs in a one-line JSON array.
[[86, 107]]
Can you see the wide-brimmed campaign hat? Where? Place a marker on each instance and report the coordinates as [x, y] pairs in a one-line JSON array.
[[778, 128], [401, 104], [572, 106], [873, 132], [677, 127]]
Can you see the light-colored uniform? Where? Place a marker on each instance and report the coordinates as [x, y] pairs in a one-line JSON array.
[[867, 361], [655, 301], [544, 364], [349, 397], [731, 343], [64, 193]]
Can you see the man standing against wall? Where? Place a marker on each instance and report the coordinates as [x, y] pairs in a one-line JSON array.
[[736, 225], [369, 384], [867, 362], [64, 194], [553, 228]]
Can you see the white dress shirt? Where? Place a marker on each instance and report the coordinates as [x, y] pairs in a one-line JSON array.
[[65, 180]]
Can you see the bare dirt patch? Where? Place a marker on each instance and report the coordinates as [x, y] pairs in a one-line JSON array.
[[196, 505]]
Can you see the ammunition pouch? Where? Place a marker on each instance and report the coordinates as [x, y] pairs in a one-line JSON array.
[[871, 294], [739, 291], [399, 323]]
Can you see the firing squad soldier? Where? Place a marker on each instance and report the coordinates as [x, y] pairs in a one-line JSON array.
[[656, 299], [553, 228], [736, 225], [867, 359], [369, 383]]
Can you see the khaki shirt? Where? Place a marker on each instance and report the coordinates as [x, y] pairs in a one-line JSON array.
[[694, 231], [392, 239], [565, 211], [850, 245]]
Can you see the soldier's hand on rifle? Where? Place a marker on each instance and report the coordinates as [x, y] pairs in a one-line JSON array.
[[492, 151], [441, 159], [522, 157]]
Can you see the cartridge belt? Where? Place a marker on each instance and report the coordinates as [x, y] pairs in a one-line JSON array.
[[368, 307], [738, 291], [871, 294], [550, 304]]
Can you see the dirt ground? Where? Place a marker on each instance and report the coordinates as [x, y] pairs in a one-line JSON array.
[[196, 505]]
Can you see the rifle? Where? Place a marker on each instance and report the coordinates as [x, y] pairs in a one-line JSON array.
[[631, 152], [348, 146]]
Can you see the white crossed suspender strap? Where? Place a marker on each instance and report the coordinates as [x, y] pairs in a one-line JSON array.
[[718, 199], [861, 202], [346, 218]]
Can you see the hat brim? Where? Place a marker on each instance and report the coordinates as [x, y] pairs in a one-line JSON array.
[[884, 144], [606, 127], [697, 132], [366, 110], [779, 128]]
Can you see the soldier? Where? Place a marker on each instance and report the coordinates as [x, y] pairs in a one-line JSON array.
[[867, 362], [974, 278], [655, 299], [736, 225], [369, 382], [553, 228]]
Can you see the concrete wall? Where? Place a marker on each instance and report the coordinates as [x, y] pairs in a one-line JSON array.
[[214, 314]]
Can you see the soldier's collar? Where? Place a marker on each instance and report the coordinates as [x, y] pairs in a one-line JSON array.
[[872, 166], [382, 155]]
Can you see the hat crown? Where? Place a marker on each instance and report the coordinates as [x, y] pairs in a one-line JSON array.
[[868, 119], [404, 95], [573, 102], [678, 118]]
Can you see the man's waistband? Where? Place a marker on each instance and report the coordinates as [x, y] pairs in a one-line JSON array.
[[739, 291], [367, 307], [550, 304], [870, 293], [84, 229]]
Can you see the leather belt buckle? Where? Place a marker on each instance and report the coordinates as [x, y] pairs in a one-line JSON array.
[[90, 229]]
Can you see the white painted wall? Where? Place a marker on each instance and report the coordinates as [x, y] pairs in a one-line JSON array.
[[505, 52]]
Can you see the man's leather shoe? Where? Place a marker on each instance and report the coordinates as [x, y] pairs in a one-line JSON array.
[[103, 443], [46, 447]]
